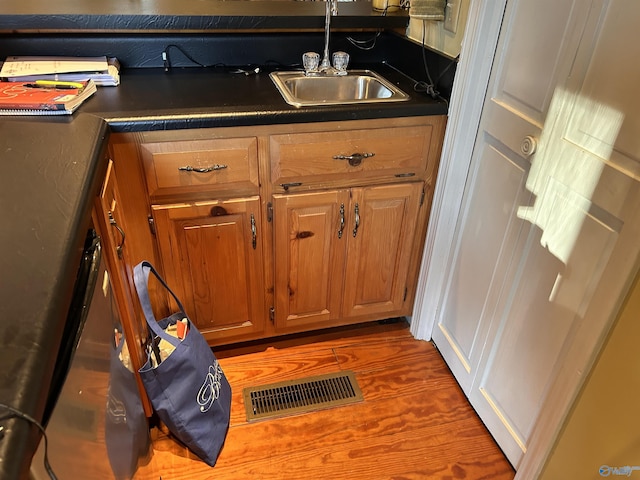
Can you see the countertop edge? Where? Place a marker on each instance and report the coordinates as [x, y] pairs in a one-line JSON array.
[[43, 282]]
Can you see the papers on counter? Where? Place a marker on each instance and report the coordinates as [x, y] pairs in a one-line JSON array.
[[102, 70]]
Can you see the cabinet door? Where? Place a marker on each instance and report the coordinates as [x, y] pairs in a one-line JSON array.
[[309, 257], [212, 259], [108, 217], [381, 231]]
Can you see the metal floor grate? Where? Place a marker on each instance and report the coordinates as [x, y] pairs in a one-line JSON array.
[[303, 395]]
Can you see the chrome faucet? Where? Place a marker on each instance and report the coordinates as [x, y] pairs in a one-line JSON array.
[[311, 62], [325, 65]]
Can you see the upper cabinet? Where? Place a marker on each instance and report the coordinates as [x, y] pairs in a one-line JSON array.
[[285, 228]]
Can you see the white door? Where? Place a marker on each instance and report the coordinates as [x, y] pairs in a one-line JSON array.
[[546, 242]]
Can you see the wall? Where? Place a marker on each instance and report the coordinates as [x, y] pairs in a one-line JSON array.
[[603, 428], [136, 50], [435, 35]]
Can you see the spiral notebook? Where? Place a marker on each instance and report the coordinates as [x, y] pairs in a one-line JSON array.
[[43, 97]]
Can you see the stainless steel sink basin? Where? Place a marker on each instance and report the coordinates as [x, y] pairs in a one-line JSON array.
[[358, 86]]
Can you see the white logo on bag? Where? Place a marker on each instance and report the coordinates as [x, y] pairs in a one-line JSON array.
[[210, 390], [116, 410]]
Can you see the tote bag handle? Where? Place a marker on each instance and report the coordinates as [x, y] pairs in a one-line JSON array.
[[141, 278]]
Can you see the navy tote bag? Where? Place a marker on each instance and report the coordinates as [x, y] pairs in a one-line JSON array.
[[126, 430], [187, 388]]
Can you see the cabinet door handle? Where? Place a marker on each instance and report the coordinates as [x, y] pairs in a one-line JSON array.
[[114, 224], [254, 233], [357, 224], [341, 220], [212, 168], [354, 159]]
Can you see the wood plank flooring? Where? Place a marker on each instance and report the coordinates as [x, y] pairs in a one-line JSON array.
[[415, 422]]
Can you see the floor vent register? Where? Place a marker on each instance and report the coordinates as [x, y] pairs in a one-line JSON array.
[[303, 395]]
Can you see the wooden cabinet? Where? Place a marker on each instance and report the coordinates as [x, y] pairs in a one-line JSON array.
[[253, 227], [210, 242], [309, 253], [210, 166], [109, 220], [320, 158], [379, 248], [212, 256], [351, 203], [343, 255]]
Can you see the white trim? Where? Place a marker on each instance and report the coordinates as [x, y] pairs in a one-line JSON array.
[[469, 90]]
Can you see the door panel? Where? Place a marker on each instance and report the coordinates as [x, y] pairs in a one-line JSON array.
[[378, 251], [109, 219], [225, 235], [538, 315], [537, 45], [479, 262], [611, 81], [309, 257], [213, 265]]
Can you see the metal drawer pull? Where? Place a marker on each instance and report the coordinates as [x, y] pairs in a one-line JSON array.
[[341, 220], [357, 212], [354, 159], [405, 175], [254, 233], [113, 223], [287, 186], [212, 168]]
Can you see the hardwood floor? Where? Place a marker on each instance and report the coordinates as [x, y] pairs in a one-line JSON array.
[[414, 423]]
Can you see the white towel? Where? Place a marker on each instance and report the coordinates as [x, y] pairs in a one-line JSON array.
[[427, 9]]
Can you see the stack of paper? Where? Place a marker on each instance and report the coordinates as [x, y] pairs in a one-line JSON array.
[[102, 70]]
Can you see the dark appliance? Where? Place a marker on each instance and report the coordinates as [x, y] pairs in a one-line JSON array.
[[94, 419]]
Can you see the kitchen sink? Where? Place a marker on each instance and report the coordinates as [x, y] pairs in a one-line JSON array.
[[357, 86]]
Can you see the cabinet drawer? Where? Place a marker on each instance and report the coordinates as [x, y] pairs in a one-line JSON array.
[[309, 157], [192, 166]]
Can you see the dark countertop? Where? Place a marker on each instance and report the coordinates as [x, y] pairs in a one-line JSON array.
[[150, 99], [188, 15], [50, 170]]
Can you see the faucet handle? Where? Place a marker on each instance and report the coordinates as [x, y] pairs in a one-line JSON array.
[[310, 62], [340, 62]]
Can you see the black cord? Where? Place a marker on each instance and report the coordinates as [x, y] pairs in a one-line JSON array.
[[426, 87], [370, 43], [446, 69], [167, 60], [367, 44], [18, 414]]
